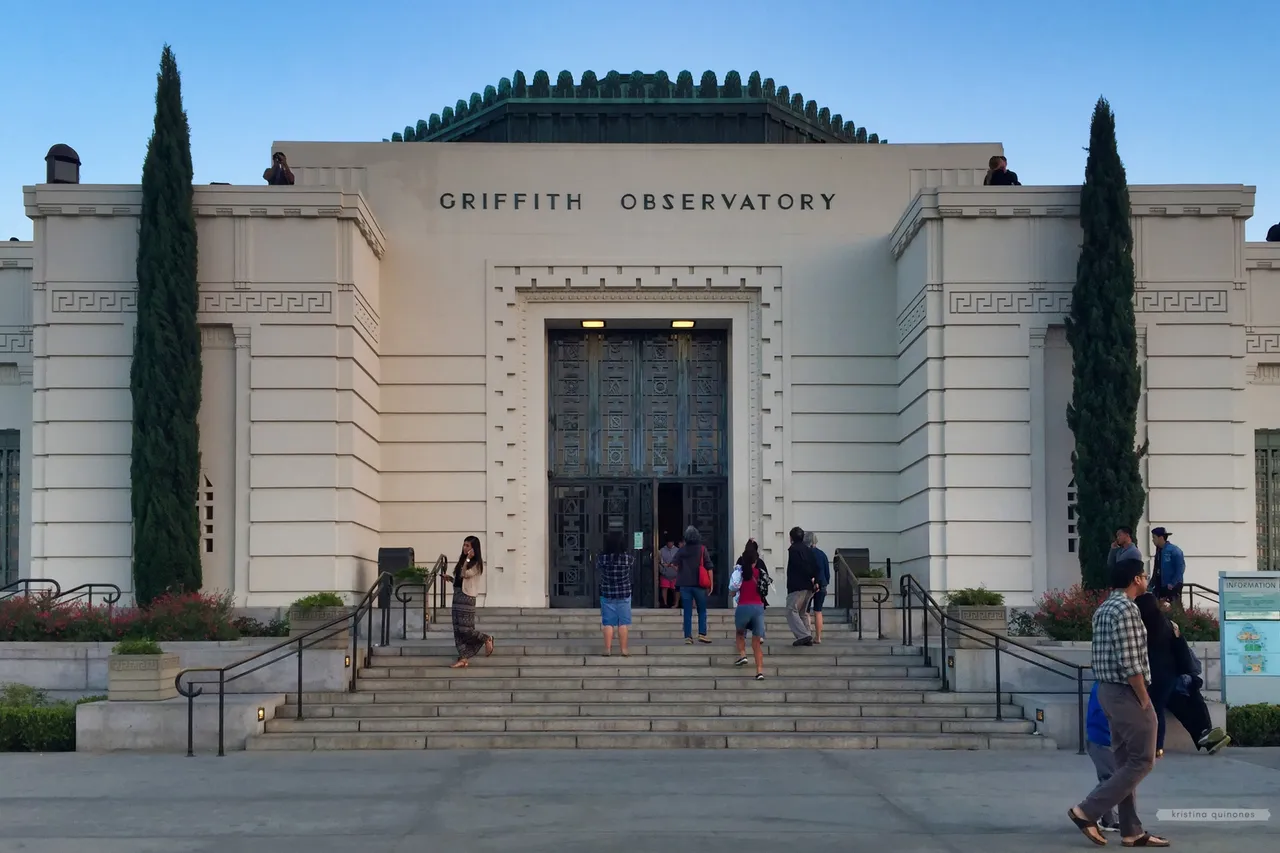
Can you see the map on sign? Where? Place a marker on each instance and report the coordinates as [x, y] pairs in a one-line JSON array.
[[1247, 647]]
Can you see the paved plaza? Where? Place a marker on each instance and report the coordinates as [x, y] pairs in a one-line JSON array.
[[579, 801]]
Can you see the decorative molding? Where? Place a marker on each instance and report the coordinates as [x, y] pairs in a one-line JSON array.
[[217, 337], [1010, 302], [912, 316], [9, 374], [17, 263], [1262, 339], [266, 302], [1181, 301], [93, 301], [15, 339], [241, 334], [1266, 374], [566, 294], [362, 312]]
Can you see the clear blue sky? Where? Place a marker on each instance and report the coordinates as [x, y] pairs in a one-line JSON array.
[[1193, 82]]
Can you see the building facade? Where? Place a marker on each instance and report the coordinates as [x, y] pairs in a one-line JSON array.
[[543, 344]]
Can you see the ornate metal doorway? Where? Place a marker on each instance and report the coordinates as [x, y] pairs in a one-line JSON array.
[[628, 410]]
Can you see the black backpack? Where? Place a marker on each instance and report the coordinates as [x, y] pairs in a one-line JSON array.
[[763, 581]]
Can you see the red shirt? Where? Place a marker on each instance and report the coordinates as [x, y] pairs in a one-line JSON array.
[[748, 594]]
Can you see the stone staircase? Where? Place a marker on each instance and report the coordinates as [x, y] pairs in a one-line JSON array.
[[548, 686]]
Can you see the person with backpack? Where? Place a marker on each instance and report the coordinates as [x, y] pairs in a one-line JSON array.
[[1098, 746], [694, 579], [750, 584]]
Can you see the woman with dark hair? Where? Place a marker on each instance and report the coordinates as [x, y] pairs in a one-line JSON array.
[[749, 585], [1164, 663], [693, 577], [613, 572], [466, 585]]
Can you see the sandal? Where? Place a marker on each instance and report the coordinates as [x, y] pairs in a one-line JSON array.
[[1088, 827], [1146, 839]]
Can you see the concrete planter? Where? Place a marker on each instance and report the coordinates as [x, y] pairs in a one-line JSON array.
[[303, 621], [994, 618], [142, 677]]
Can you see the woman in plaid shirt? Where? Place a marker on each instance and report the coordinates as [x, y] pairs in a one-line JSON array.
[[613, 573]]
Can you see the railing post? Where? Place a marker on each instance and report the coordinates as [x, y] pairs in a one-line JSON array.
[[300, 678], [368, 649], [191, 721], [1080, 708], [425, 593], [942, 643], [355, 650], [222, 717], [404, 617], [999, 712], [857, 601], [924, 630]]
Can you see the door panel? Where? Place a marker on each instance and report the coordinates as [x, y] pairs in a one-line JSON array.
[[571, 584], [706, 508]]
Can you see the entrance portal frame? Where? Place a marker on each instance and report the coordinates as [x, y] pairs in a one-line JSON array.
[[524, 299]]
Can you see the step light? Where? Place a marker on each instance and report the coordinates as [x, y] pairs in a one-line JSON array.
[[682, 324], [262, 714], [593, 324]]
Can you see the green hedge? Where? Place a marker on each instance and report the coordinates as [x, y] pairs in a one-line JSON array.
[[1254, 725], [29, 722]]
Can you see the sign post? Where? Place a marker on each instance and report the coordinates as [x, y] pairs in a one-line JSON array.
[[1249, 623]]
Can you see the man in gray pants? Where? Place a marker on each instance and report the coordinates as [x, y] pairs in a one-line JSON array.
[[1123, 672], [802, 583]]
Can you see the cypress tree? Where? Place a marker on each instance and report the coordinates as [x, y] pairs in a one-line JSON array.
[[1106, 378], [165, 375]]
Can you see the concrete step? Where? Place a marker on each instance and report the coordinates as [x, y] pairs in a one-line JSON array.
[[432, 679], [747, 693], [866, 725], [687, 669], [845, 688], [644, 740], [653, 710]]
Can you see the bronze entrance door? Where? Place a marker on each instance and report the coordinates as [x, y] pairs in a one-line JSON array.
[[627, 411]]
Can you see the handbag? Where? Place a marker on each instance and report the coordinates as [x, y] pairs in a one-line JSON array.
[[704, 576]]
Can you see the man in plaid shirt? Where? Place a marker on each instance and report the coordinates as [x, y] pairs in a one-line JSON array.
[[1123, 671]]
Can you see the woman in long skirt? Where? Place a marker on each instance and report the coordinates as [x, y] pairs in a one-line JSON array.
[[466, 584]]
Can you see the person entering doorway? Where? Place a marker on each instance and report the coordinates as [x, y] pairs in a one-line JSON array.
[[693, 577]]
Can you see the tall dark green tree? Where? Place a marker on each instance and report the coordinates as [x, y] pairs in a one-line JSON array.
[[1107, 381], [165, 376]]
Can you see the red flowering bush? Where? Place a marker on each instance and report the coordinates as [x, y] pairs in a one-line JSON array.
[[1068, 615], [187, 616]]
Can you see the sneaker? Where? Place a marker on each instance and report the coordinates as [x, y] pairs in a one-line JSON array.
[[803, 641], [1212, 736], [759, 676], [1107, 826], [688, 641], [703, 638], [1225, 740], [740, 662]]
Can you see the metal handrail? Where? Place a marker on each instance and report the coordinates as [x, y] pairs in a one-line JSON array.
[[910, 589], [22, 586], [291, 646], [860, 585], [110, 593], [431, 590], [1190, 589]]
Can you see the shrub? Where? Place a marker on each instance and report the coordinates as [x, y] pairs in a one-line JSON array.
[[318, 600], [137, 646], [186, 616], [975, 597], [1197, 625], [1068, 614], [250, 627], [1022, 623], [1254, 725], [29, 722]]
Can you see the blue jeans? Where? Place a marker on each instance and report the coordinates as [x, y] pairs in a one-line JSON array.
[[1161, 692], [689, 595]]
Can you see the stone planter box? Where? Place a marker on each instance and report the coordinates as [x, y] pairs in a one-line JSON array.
[[302, 621], [994, 618], [142, 677]]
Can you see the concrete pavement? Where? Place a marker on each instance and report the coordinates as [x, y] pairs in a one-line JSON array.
[[580, 801]]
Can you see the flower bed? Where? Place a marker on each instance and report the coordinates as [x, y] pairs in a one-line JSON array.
[[189, 616], [1068, 615]]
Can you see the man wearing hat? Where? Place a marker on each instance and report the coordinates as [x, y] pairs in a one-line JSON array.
[[1168, 567]]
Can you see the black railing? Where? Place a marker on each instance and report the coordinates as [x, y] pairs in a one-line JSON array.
[[914, 596], [25, 586], [1206, 594], [290, 647], [431, 588], [107, 593], [863, 590]]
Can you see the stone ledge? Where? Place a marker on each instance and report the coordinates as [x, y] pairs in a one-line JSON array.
[[1062, 719], [161, 726]]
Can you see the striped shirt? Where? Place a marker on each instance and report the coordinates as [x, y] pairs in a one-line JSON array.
[[1119, 641]]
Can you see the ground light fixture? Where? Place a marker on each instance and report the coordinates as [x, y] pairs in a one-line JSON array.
[[682, 324], [593, 324], [262, 714]]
